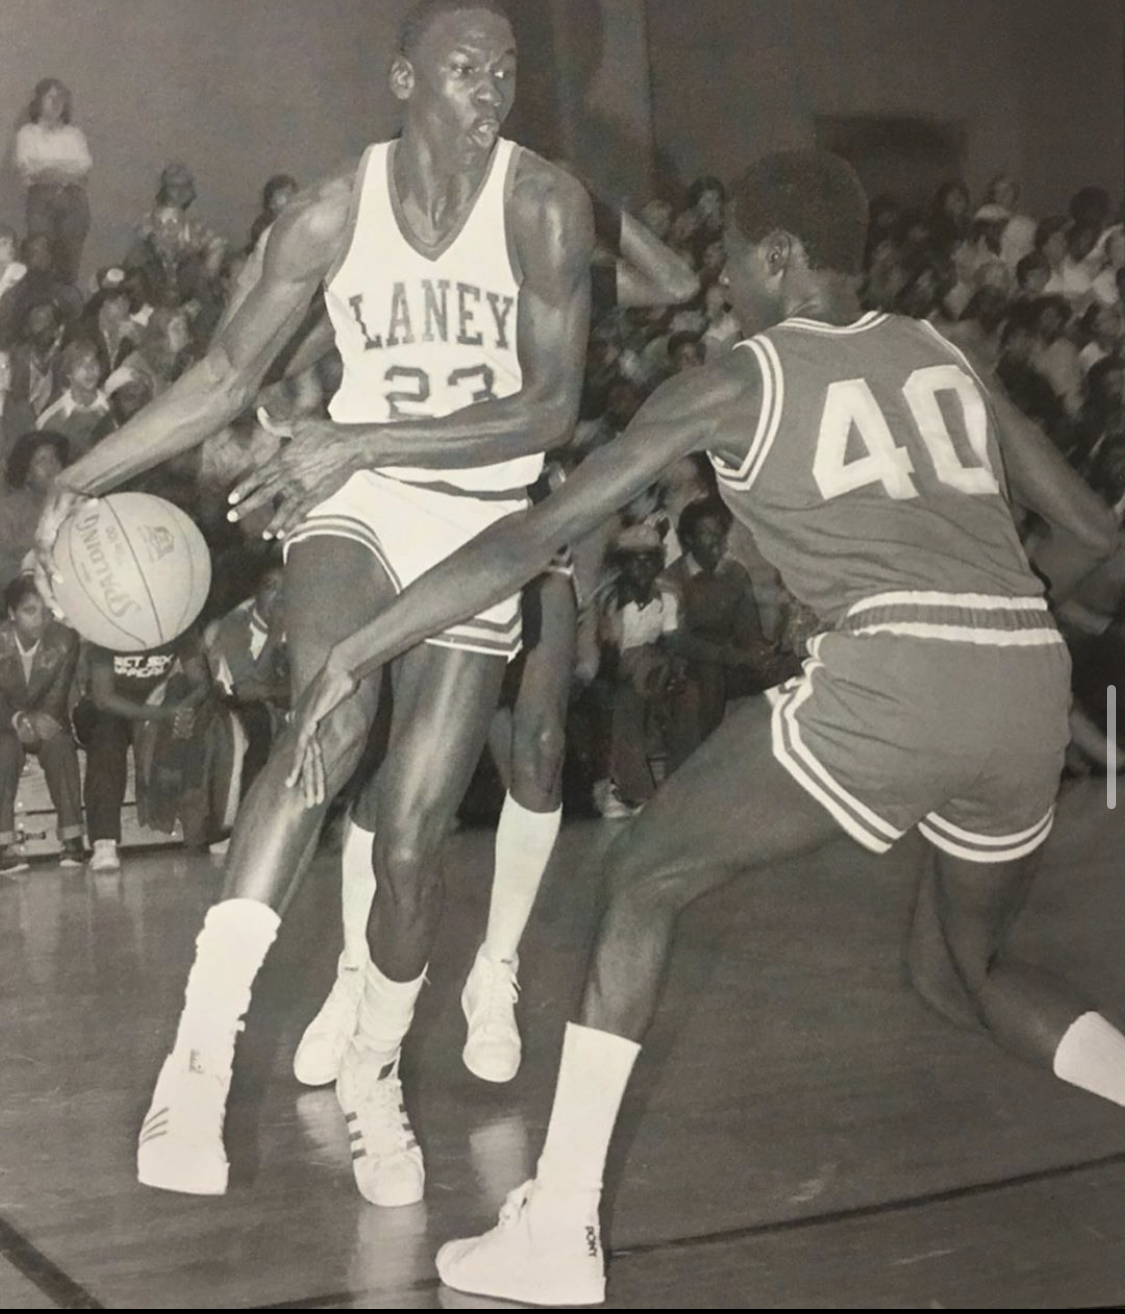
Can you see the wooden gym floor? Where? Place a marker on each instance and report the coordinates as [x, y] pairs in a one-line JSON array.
[[802, 1132]]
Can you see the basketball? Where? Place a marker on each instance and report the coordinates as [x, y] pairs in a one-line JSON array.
[[135, 571]]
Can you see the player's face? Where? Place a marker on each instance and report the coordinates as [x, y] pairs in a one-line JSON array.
[[464, 77], [753, 290], [30, 618]]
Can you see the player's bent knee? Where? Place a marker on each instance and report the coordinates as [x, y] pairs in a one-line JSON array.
[[537, 752]]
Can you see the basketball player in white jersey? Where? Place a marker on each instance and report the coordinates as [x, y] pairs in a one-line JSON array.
[[455, 268]]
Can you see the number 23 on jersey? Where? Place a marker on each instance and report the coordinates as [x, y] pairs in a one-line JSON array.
[[851, 408]]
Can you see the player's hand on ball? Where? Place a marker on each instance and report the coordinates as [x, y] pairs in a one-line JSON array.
[[333, 686], [58, 506], [317, 462]]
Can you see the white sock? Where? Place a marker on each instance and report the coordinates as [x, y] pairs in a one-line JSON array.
[[357, 890], [524, 841], [229, 953], [386, 1011], [593, 1074], [1092, 1055]]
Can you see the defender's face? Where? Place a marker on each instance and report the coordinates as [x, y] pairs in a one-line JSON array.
[[463, 76], [754, 293]]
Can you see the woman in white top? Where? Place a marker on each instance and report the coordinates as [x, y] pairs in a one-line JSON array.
[[54, 162]]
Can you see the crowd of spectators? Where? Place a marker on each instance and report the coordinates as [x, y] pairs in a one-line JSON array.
[[680, 614]]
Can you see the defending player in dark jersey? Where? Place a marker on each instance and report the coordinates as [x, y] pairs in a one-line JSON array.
[[871, 463]]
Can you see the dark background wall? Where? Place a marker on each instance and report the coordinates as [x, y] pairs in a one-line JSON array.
[[244, 88]]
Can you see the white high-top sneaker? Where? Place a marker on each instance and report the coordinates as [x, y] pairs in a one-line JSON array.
[[321, 1051], [386, 1157], [105, 856], [493, 1049], [545, 1250], [181, 1141]]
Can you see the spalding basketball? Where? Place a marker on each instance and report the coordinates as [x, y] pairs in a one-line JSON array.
[[135, 571]]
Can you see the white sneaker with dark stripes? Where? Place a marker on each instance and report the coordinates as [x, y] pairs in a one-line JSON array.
[[326, 1038], [545, 1250], [386, 1156], [181, 1141]]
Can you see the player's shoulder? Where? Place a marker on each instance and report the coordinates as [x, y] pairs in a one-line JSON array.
[[316, 221], [545, 195]]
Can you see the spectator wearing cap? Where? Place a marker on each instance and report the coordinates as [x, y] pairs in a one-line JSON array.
[[36, 461], [637, 615], [107, 322], [36, 376], [194, 238], [276, 195], [175, 276], [53, 158], [79, 409]]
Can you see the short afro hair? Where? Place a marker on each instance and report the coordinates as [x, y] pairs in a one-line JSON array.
[[418, 20], [707, 508], [811, 194], [23, 453]]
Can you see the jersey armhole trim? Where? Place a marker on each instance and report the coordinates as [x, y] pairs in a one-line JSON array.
[[358, 188], [769, 417], [509, 228]]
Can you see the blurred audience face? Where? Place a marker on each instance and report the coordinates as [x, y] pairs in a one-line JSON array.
[[955, 203], [714, 257], [167, 231], [39, 255], [129, 398], [44, 468], [642, 569], [85, 372], [707, 542], [715, 303], [684, 227], [42, 327], [1050, 323], [1004, 192], [7, 249], [114, 310], [52, 107], [684, 356], [30, 619], [623, 403], [1115, 249], [1054, 248], [1107, 327], [1081, 242], [710, 205]]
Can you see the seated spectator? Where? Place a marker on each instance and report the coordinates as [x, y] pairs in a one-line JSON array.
[[194, 238], [1028, 389], [720, 636], [11, 269], [54, 162], [38, 657], [1105, 284], [41, 284], [636, 616], [36, 460], [1055, 355], [276, 195], [1101, 425], [36, 360], [1018, 237], [685, 350], [1033, 273], [174, 274], [1075, 278], [77, 412], [250, 666], [107, 322], [16, 417], [128, 691], [128, 397], [949, 217], [1100, 328], [162, 356]]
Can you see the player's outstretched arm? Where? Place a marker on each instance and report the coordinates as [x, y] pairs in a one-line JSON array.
[[650, 273], [690, 412], [301, 249]]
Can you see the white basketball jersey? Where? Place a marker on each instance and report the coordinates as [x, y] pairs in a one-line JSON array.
[[426, 332]]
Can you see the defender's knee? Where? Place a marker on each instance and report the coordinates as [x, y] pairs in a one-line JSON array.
[[537, 754]]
